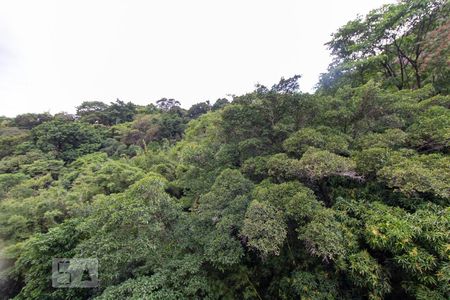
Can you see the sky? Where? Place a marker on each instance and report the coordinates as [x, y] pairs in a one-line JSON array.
[[56, 54]]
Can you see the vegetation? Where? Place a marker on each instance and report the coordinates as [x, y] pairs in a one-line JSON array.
[[340, 194]]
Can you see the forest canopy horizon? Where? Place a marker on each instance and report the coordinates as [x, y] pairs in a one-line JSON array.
[[342, 193]]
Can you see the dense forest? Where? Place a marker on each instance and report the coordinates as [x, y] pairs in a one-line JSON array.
[[275, 194]]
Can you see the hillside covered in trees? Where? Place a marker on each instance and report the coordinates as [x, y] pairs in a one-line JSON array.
[[277, 194]]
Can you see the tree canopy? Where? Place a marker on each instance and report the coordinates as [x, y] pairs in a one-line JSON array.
[[276, 194]]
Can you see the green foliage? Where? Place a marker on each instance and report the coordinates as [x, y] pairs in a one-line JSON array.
[[97, 112], [321, 137], [316, 164], [317, 285], [369, 161], [42, 167], [264, 228], [389, 44], [11, 137], [252, 147], [391, 138], [28, 121], [130, 227], [220, 103], [222, 212], [8, 181], [365, 272], [324, 237], [96, 174], [240, 122], [67, 141], [389, 229], [431, 130], [11, 164], [198, 109], [280, 167], [419, 174], [93, 112], [278, 194], [141, 287], [167, 104], [255, 168], [117, 149]]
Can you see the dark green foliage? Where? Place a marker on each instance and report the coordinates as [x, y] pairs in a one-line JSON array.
[[321, 137], [219, 104], [120, 112], [394, 44], [10, 138], [198, 109], [167, 104], [315, 285], [67, 141], [419, 174], [430, 132], [8, 181], [340, 194], [93, 112], [264, 228], [97, 112], [28, 121]]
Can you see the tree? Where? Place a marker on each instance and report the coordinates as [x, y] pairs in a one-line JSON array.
[[391, 38], [435, 58], [167, 104], [97, 112], [132, 228], [10, 138], [317, 164], [418, 174], [287, 86], [28, 121], [67, 140], [120, 112], [198, 109], [430, 132], [340, 194], [264, 228], [322, 137], [93, 112], [220, 103]]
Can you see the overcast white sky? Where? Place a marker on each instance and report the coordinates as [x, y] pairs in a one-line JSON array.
[[56, 54]]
